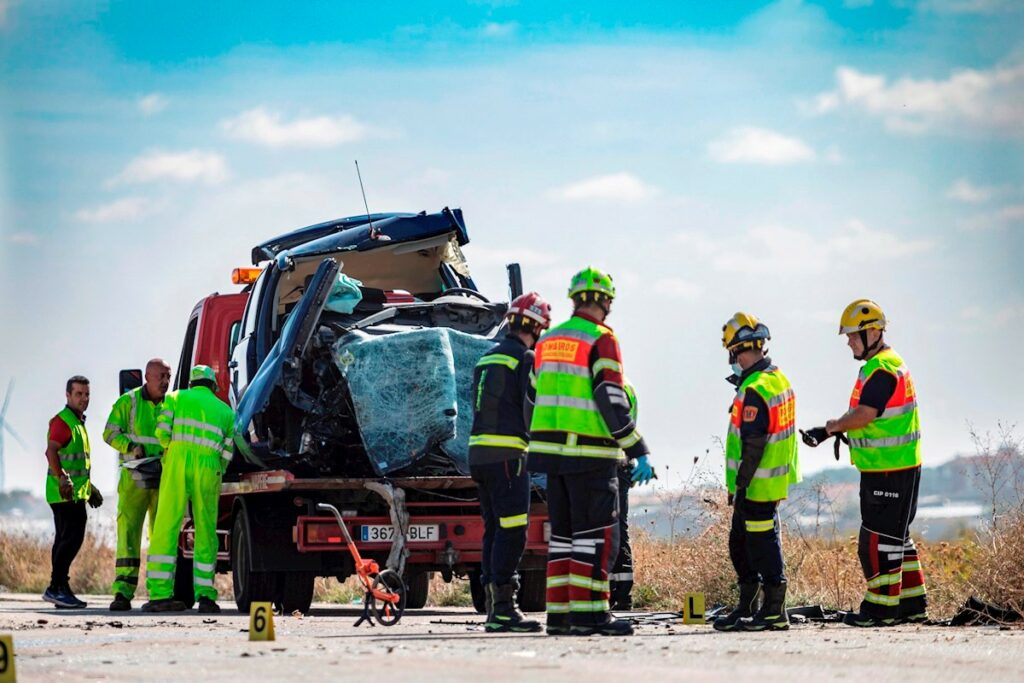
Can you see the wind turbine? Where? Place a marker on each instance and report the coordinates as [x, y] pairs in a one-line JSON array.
[[6, 427]]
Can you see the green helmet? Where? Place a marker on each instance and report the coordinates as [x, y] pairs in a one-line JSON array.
[[202, 373], [591, 279]]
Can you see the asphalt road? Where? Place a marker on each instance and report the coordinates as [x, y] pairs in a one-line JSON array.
[[449, 645]]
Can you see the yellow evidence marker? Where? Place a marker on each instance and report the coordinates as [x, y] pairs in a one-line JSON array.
[[7, 659], [693, 608], [261, 621]]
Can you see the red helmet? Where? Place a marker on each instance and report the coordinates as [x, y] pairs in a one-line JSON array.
[[532, 306]]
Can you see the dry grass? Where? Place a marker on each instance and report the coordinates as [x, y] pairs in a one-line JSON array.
[[990, 565]]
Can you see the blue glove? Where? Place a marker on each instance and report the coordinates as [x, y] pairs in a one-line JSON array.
[[642, 471]]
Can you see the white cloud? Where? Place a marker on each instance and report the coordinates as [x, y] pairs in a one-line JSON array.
[[995, 220], [267, 128], [771, 248], [616, 187], [991, 99], [23, 238], [185, 167], [485, 257], [964, 191], [698, 244], [494, 29], [749, 145], [677, 288], [153, 103], [126, 209], [1012, 313], [968, 6]]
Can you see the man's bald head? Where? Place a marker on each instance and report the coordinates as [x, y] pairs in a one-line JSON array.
[[158, 378]]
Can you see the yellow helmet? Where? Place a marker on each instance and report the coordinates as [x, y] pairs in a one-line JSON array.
[[862, 314], [743, 331]]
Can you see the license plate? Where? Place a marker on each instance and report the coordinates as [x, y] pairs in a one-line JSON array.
[[385, 533]]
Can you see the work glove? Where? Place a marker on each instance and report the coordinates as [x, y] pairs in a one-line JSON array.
[[642, 471], [66, 488], [814, 437], [95, 498]]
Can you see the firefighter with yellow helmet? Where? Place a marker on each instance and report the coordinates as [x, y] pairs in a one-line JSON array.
[[884, 435], [761, 463]]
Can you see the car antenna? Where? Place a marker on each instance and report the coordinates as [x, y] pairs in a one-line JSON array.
[[375, 234]]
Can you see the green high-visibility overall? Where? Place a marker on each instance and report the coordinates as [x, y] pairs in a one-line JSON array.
[[196, 428], [74, 459], [132, 422]]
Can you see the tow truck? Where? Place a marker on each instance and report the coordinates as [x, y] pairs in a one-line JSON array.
[[300, 373]]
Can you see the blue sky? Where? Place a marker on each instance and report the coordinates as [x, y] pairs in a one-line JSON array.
[[782, 158]]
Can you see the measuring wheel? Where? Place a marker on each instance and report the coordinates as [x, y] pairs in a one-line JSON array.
[[385, 612]]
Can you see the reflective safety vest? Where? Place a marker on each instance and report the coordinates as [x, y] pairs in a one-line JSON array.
[[779, 466], [892, 440], [133, 421], [565, 394], [194, 421], [74, 459]]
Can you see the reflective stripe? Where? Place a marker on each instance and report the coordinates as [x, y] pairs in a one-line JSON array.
[[764, 473], [556, 581], [914, 592], [564, 368], [165, 559], [498, 441], [588, 583], [579, 451], [202, 581], [166, 413], [779, 399], [188, 422], [783, 435], [573, 334], [499, 359], [227, 455], [567, 402], [621, 576], [887, 442], [884, 600], [140, 439], [606, 364], [899, 410], [190, 438], [886, 580], [204, 567], [77, 473], [886, 548], [588, 606], [758, 525], [627, 441], [912, 566], [513, 521], [159, 575], [557, 607], [113, 429]]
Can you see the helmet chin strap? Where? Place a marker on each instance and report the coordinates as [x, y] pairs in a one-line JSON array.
[[867, 349], [604, 303]]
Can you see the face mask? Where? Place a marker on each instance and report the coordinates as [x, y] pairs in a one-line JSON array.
[[737, 369]]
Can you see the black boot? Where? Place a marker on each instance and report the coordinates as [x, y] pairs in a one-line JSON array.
[[506, 616], [120, 604], [208, 606], [165, 605], [609, 627], [489, 597], [772, 615], [748, 604]]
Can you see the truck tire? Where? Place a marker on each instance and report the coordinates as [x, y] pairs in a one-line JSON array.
[[417, 587], [476, 590], [250, 586], [296, 592], [533, 590], [183, 588]]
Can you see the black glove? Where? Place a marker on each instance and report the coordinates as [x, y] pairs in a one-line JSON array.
[[95, 498], [814, 437]]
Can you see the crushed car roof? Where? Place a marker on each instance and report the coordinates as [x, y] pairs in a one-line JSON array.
[[354, 233]]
